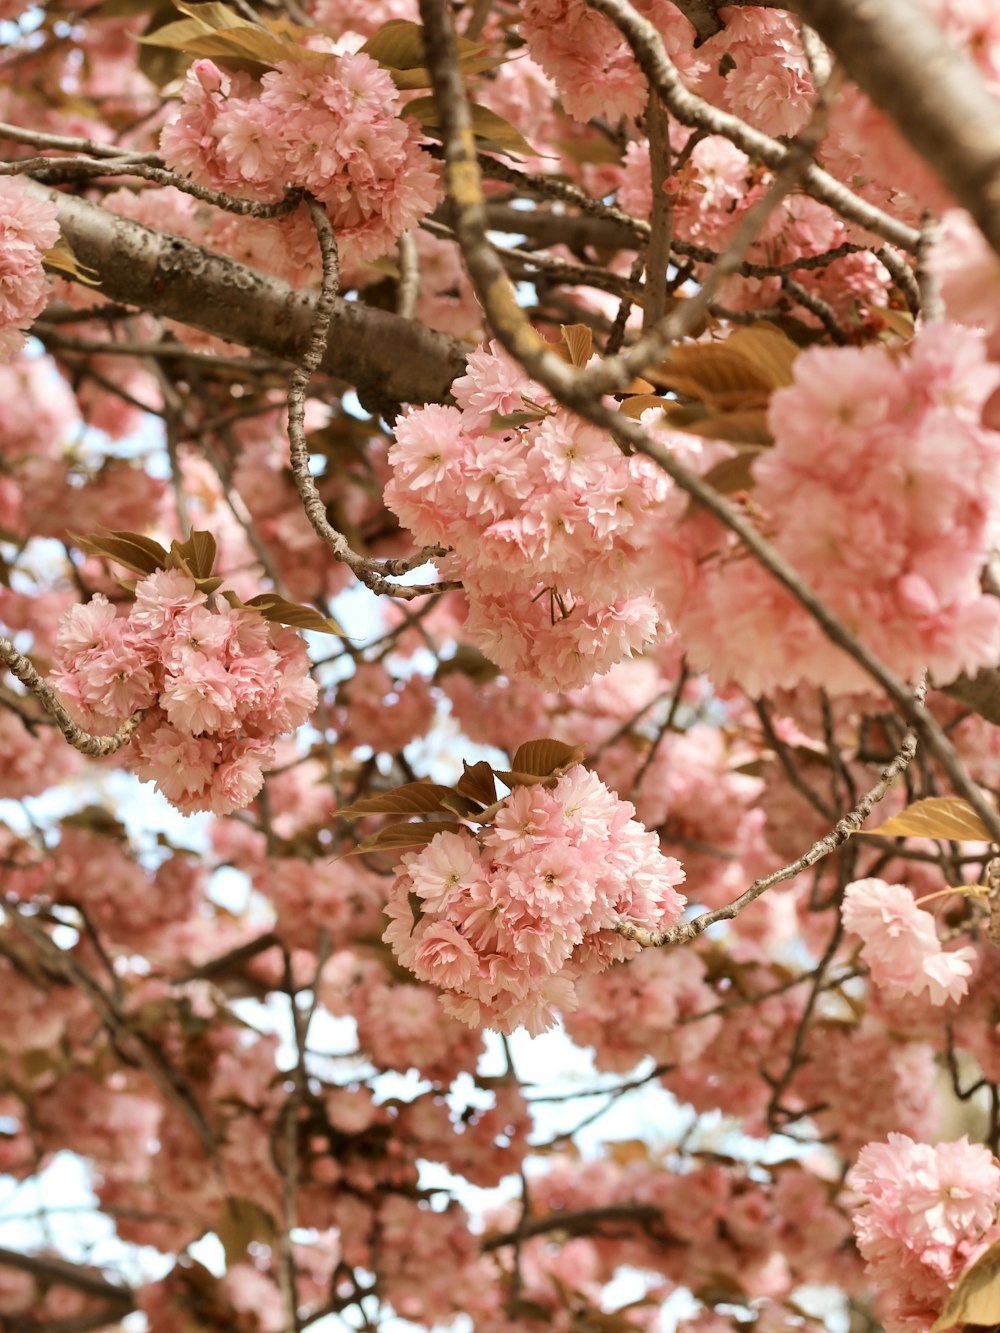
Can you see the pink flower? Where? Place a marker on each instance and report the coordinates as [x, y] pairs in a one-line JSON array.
[[901, 947], [444, 958], [448, 862], [926, 1214], [506, 924], [28, 228]]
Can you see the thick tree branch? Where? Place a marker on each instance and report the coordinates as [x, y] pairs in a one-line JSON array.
[[59, 1272], [393, 359], [933, 91], [695, 112]]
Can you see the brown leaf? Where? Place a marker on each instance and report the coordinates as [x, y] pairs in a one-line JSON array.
[[541, 758], [642, 402], [976, 1298], [282, 612], [748, 426], [197, 554], [214, 30], [733, 474], [946, 817], [494, 133], [413, 798], [63, 260], [135, 551], [241, 1222], [739, 372], [578, 340], [477, 781], [399, 48], [398, 837]]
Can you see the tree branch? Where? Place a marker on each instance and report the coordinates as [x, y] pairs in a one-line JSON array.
[[60, 1272], [394, 359], [933, 91]]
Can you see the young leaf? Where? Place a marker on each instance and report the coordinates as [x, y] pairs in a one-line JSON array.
[[578, 339], [936, 817], [737, 373], [398, 45], [414, 798], [214, 30], [399, 837], [733, 474], [141, 554], [540, 759], [242, 1221], [477, 781], [494, 133], [976, 1298], [63, 260], [197, 554], [282, 612]]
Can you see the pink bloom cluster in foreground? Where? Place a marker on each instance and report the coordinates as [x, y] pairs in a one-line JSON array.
[[882, 489], [220, 686], [901, 947], [28, 228], [331, 126], [506, 923], [546, 521], [928, 1214]]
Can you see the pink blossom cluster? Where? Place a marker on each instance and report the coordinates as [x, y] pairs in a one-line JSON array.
[[757, 69], [546, 521], [505, 923], [901, 947], [882, 489], [589, 61], [330, 126], [28, 228], [219, 687], [927, 1213]]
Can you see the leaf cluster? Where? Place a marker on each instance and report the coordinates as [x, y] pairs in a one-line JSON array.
[[473, 798], [196, 557]]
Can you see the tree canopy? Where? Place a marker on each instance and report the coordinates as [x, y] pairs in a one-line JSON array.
[[500, 618]]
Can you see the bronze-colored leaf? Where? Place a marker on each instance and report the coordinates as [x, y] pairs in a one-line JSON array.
[[946, 817], [466, 807], [135, 551], [733, 474], [641, 402], [63, 260], [524, 417], [477, 781], [414, 798], [541, 758], [197, 554], [976, 1298], [748, 426], [738, 372], [282, 612], [399, 45], [214, 30], [898, 322], [398, 837], [578, 339], [241, 1222], [494, 132]]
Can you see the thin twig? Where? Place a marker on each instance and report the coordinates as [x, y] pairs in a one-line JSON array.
[[844, 828], [371, 572], [84, 741]]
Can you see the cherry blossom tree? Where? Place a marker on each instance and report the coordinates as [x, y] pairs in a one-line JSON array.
[[500, 608]]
